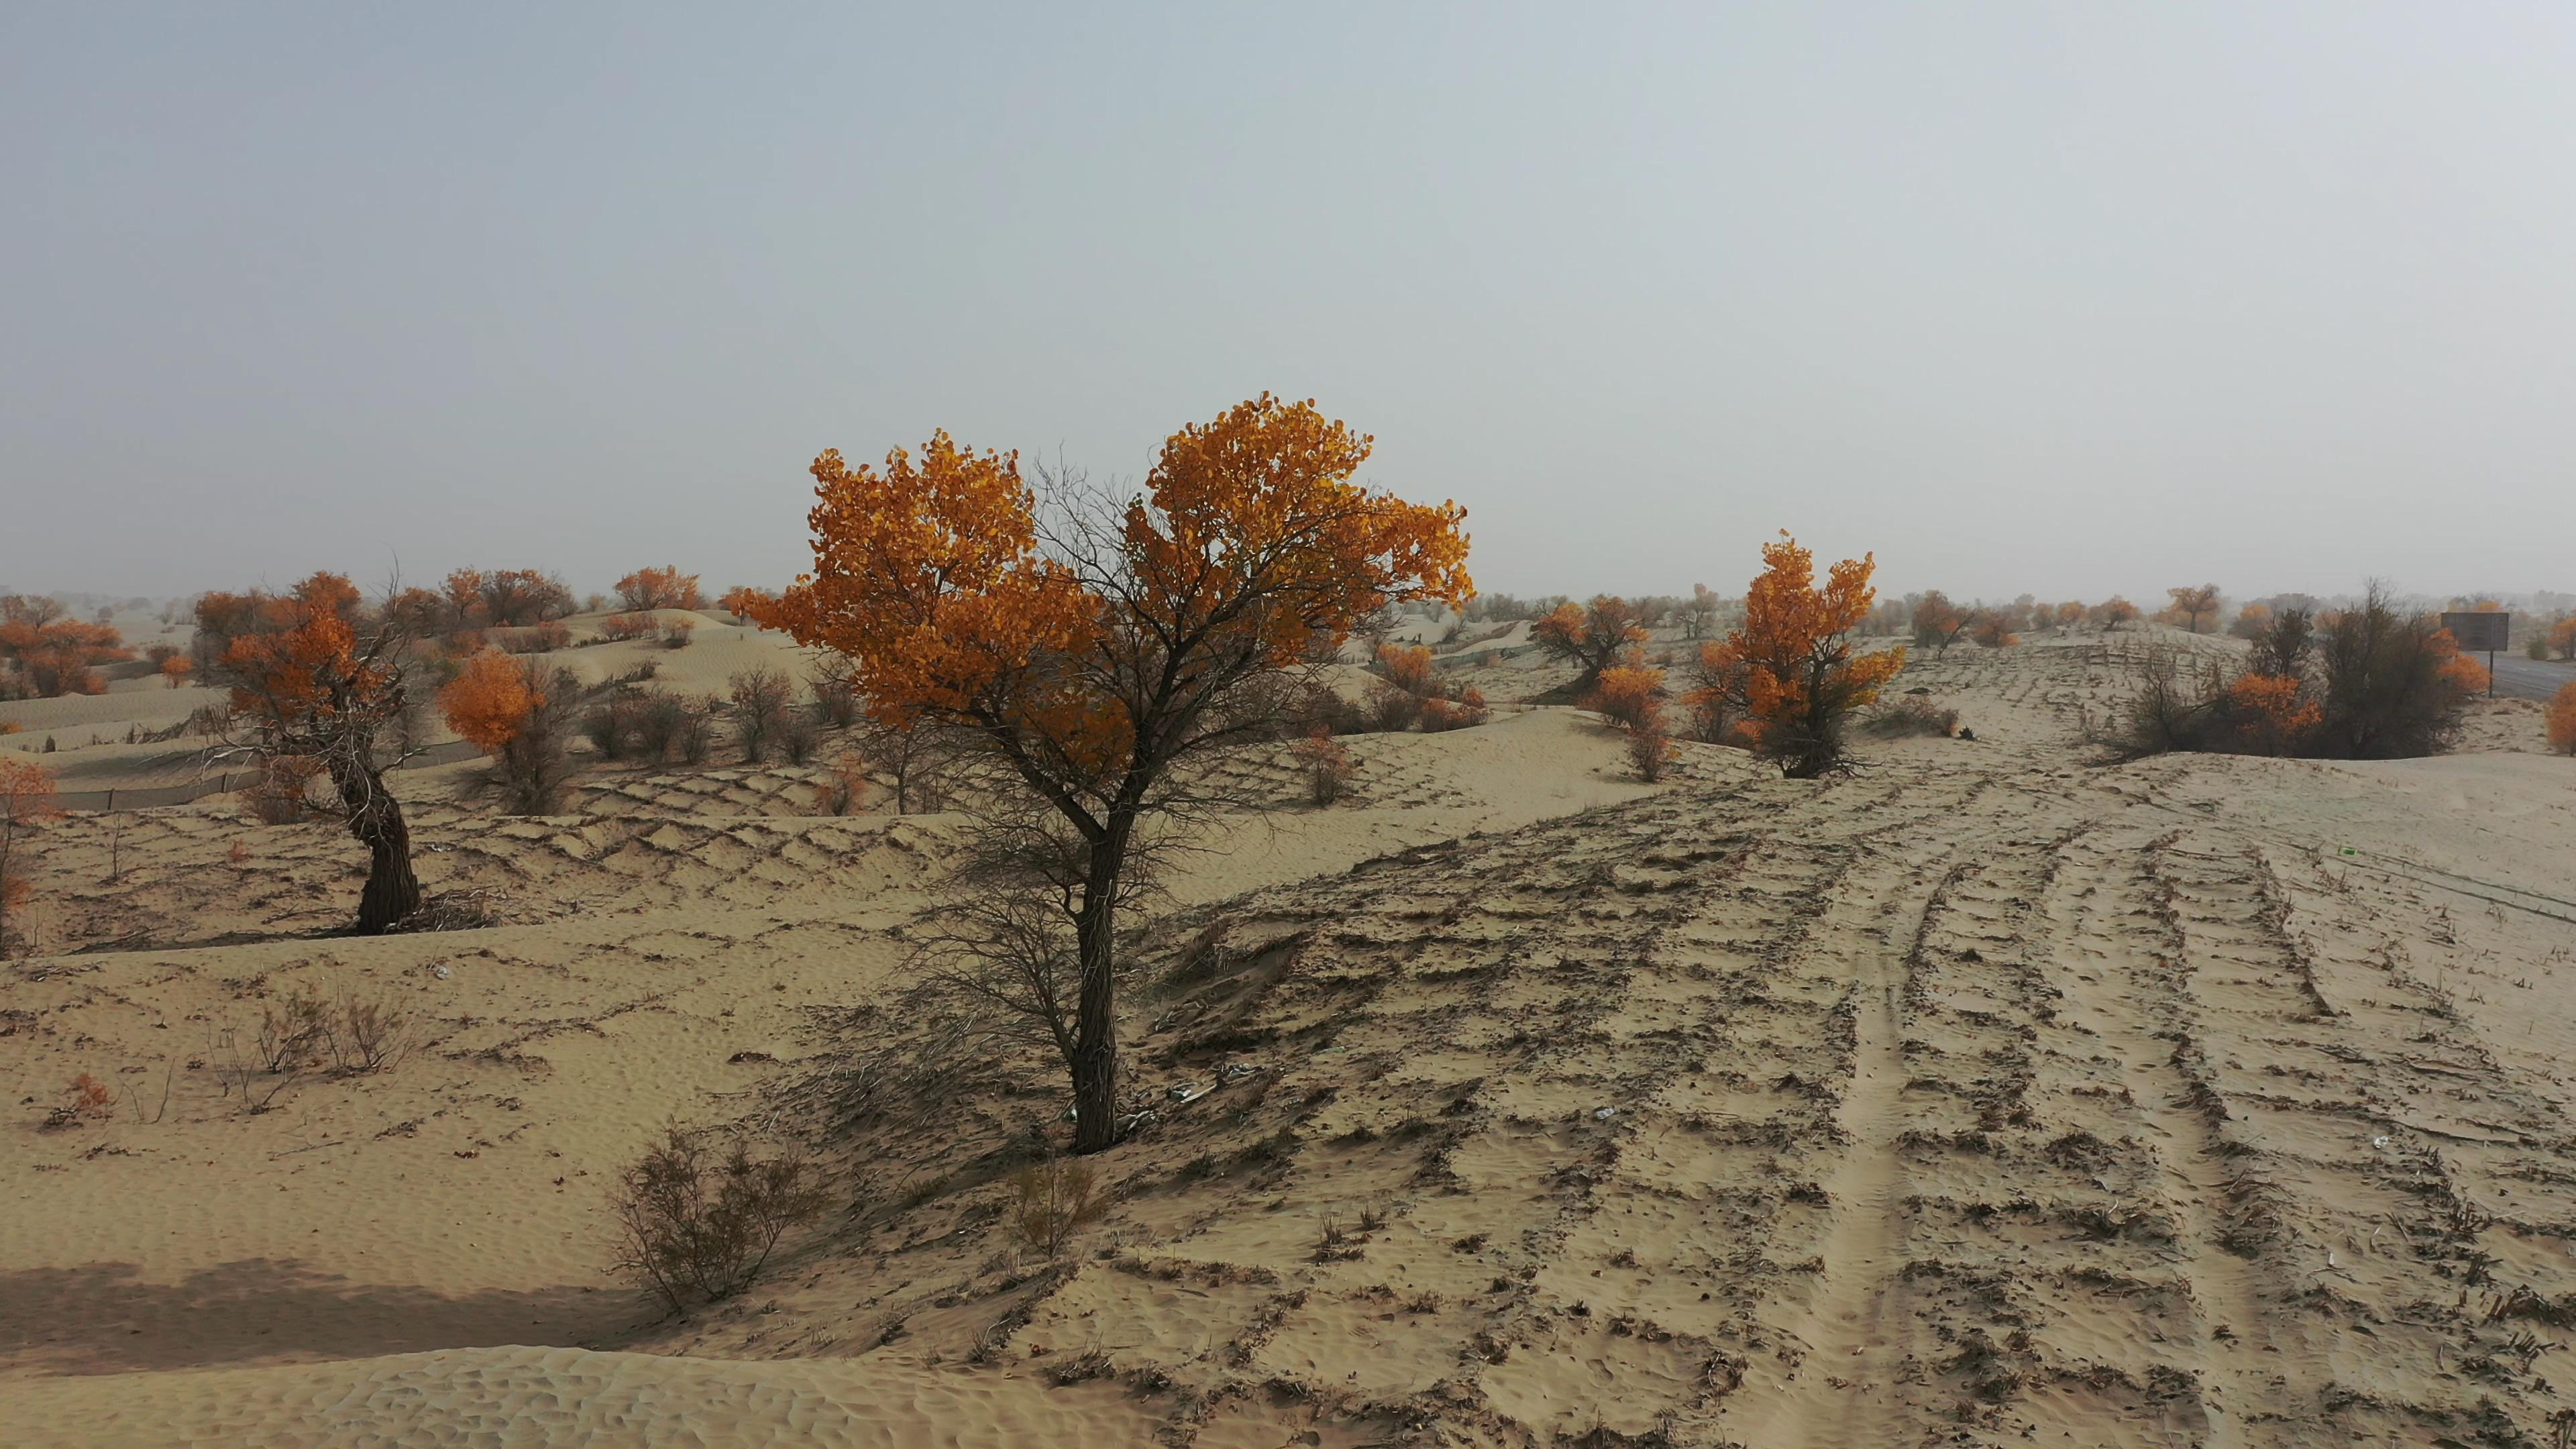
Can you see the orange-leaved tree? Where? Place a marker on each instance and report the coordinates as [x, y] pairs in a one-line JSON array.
[[742, 600], [662, 588], [2190, 605], [513, 711], [1794, 663], [316, 676], [1091, 657], [26, 795], [2562, 720], [1630, 696], [1938, 623], [1591, 637]]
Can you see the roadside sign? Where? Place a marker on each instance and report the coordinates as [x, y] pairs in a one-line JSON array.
[[2484, 633], [2480, 633]]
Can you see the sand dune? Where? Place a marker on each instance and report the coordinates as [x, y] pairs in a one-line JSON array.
[[1987, 1097]]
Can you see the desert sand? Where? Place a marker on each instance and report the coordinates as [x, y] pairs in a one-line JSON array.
[[1988, 1096]]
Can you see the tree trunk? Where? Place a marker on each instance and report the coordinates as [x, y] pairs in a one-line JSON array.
[[1095, 1035], [376, 819]]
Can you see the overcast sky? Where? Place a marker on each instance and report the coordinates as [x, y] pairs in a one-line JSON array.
[[2070, 299]]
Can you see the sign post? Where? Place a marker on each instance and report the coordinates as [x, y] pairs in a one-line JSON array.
[[2481, 632]]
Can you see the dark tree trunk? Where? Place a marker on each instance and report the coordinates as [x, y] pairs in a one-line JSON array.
[[376, 819], [1095, 1034]]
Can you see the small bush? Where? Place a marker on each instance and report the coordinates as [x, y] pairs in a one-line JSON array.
[[605, 726], [1911, 715], [1055, 1197], [366, 1032], [282, 795], [535, 639], [845, 789], [629, 626], [294, 1033], [799, 734], [759, 709], [696, 736], [835, 685], [2562, 720], [1628, 695], [692, 1228], [1650, 752], [1392, 708], [677, 632], [1327, 767], [89, 1097]]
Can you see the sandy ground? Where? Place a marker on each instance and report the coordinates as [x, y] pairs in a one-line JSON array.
[[1989, 1096]]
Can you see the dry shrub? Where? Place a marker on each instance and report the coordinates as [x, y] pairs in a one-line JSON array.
[[367, 1033], [1628, 695], [89, 1097], [1911, 715], [542, 638], [835, 683], [2562, 720], [629, 626], [760, 697], [1326, 765], [695, 1228], [281, 795], [1392, 708], [294, 1033], [799, 735], [1650, 751], [1407, 668], [677, 632], [1055, 1197], [845, 789], [696, 736]]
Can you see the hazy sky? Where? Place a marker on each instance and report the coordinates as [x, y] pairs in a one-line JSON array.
[[2047, 297]]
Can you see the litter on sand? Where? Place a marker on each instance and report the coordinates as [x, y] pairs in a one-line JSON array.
[[1189, 1092], [1604, 1114]]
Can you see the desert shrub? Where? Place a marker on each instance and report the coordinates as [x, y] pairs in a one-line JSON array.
[[2536, 646], [1650, 750], [281, 793], [1326, 766], [844, 789], [2395, 687], [1937, 623], [2269, 714], [2562, 638], [1911, 715], [835, 686], [2283, 645], [2112, 613], [1628, 695], [1439, 716], [1393, 708], [696, 740], [1591, 637], [1407, 668], [605, 726], [676, 633], [2562, 720], [799, 735], [1793, 660], [629, 626], [760, 696], [1993, 629], [294, 1033], [692, 1228], [520, 715], [1055, 1197], [542, 638], [662, 588], [657, 719], [88, 1097], [366, 1033], [1320, 707]]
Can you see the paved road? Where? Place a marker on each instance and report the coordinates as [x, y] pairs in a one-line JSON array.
[[2524, 678]]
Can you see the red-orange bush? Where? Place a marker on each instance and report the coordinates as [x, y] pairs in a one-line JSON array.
[[1630, 696], [2562, 720], [662, 588]]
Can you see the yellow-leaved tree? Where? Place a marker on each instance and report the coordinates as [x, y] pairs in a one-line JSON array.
[[1793, 665], [1087, 650]]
